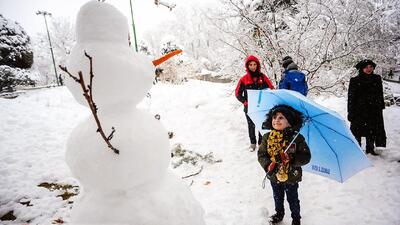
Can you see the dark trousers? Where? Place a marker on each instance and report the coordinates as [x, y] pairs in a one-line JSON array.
[[279, 190], [370, 142], [252, 131]]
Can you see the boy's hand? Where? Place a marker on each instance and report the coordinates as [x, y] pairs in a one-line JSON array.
[[271, 166], [272, 169], [285, 157]]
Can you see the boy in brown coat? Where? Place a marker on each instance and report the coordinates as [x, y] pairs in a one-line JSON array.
[[282, 152]]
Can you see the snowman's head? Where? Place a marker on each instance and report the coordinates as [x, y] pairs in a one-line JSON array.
[[99, 21], [121, 76]]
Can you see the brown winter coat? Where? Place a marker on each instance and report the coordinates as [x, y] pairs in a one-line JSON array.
[[300, 156]]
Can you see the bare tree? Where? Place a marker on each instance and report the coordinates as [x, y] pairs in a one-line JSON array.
[[325, 37], [63, 38]]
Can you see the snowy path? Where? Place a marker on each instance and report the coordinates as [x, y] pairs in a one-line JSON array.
[[204, 117]]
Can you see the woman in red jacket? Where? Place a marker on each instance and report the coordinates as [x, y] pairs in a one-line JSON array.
[[252, 80]]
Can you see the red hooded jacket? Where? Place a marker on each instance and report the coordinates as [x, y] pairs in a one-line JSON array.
[[251, 81]]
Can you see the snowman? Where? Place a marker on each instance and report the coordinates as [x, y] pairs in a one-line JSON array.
[[136, 186]]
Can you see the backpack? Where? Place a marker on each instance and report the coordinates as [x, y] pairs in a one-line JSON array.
[[294, 80]]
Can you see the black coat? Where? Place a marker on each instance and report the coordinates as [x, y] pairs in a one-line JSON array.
[[364, 107], [299, 156]]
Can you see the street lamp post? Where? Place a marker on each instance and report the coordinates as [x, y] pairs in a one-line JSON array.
[[133, 26], [44, 13]]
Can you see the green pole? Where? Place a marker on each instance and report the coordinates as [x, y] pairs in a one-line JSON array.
[[133, 26], [44, 13]]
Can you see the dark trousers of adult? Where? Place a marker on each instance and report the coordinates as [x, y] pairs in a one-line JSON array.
[[279, 190], [370, 142], [252, 131]]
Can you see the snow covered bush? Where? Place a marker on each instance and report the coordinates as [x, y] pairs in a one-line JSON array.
[[169, 67], [169, 44], [15, 49], [181, 155], [15, 56], [12, 77]]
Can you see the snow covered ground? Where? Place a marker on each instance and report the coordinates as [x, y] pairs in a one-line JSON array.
[[205, 117]]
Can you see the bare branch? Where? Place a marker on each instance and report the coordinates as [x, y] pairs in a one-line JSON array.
[[91, 74], [232, 46], [193, 174], [112, 134], [63, 68], [87, 93]]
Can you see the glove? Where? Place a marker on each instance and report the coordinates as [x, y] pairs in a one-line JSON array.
[[273, 168], [285, 158]]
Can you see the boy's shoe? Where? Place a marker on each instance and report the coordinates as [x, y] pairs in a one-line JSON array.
[[252, 147], [276, 218], [296, 222]]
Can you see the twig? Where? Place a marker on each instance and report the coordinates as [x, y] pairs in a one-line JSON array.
[[88, 94], [193, 174], [91, 75]]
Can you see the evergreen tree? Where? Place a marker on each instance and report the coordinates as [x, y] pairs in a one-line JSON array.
[[16, 55], [15, 49]]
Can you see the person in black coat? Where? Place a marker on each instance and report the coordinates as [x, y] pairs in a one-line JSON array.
[[390, 74], [365, 105]]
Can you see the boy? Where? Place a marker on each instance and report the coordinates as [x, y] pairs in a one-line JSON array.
[[282, 152]]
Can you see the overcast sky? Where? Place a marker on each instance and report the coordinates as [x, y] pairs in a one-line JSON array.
[[146, 14]]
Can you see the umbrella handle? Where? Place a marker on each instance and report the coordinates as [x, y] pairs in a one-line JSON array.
[[287, 148]]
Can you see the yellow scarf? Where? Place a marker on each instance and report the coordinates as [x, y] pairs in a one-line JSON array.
[[276, 146]]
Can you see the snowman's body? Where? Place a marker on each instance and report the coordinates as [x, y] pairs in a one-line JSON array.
[[134, 187]]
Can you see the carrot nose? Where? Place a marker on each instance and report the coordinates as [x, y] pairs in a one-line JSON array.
[[166, 57]]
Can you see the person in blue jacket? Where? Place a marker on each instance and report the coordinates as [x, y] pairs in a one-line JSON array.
[[292, 78]]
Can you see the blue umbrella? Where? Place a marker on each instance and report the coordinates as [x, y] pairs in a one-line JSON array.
[[335, 152]]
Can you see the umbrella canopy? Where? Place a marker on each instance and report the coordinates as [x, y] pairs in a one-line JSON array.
[[335, 152]]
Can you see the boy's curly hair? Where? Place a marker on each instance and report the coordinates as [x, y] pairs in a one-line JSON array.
[[294, 117]]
